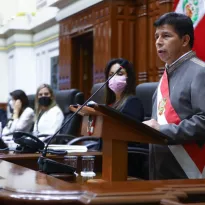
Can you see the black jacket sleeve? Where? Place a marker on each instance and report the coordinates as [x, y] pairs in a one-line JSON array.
[[133, 108]]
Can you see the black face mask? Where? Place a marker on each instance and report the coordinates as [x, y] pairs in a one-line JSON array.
[[44, 101]]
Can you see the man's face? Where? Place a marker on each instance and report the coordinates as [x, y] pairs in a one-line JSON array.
[[169, 45]]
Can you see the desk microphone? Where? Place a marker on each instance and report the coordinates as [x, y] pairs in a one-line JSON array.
[[50, 166]]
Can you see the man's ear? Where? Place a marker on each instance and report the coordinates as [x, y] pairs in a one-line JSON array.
[[186, 39]]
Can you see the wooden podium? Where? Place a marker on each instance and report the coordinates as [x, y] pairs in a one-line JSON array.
[[116, 131]]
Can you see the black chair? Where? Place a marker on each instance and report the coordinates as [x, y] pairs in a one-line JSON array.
[[64, 99], [31, 99], [99, 97], [144, 92], [138, 162], [91, 142], [3, 118]]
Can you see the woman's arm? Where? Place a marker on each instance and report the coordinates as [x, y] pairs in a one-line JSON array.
[[25, 120]]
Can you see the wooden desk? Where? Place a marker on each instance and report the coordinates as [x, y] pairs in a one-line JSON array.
[[24, 186], [20, 185], [30, 160]]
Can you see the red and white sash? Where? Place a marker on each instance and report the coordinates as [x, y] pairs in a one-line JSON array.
[[191, 157]]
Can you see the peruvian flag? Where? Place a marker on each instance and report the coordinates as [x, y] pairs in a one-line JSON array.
[[195, 9]]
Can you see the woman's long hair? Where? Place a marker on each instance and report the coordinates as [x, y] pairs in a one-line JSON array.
[[129, 89], [20, 95], [37, 106]]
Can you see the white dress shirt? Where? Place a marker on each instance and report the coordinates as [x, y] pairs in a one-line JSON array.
[[23, 123], [49, 122]]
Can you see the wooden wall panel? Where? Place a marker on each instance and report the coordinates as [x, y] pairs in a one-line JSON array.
[[102, 41], [164, 7], [121, 28], [3, 106], [101, 50], [153, 13], [65, 63], [141, 60]]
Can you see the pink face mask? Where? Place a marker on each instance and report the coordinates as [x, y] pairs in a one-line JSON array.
[[118, 83]]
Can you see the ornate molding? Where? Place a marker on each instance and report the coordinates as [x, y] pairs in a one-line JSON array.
[[120, 10], [166, 1], [142, 11], [75, 8], [132, 11], [141, 2], [142, 77], [160, 71]]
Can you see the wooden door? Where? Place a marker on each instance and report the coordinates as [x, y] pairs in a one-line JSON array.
[[82, 63]]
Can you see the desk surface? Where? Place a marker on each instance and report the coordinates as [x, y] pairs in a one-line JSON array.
[[20, 185]]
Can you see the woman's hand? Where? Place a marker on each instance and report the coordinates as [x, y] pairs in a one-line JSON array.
[[17, 109]]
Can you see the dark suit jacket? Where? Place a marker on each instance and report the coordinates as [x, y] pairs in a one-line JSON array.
[[133, 108]]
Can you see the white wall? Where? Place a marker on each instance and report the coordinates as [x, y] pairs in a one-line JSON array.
[[21, 70], [28, 67], [43, 56], [10, 8], [6, 10], [3, 76], [26, 58]]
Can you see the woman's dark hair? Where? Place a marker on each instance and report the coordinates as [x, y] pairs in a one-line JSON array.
[[181, 23], [130, 87], [20, 95]]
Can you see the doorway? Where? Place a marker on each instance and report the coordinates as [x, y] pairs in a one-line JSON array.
[[82, 63]]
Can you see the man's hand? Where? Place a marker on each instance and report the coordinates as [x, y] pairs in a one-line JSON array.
[[152, 123]]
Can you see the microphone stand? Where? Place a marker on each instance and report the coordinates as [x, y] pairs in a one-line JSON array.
[[50, 166]]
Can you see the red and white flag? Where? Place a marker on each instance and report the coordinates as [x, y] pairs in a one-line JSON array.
[[195, 9]]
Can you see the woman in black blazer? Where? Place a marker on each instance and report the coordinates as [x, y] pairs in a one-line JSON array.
[[120, 90], [120, 95]]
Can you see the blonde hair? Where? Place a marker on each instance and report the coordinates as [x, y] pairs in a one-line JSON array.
[[53, 101]]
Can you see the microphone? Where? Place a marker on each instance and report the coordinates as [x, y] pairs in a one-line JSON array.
[[50, 166]]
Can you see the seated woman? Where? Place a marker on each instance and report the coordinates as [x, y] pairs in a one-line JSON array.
[[22, 118], [120, 90], [49, 116], [120, 94]]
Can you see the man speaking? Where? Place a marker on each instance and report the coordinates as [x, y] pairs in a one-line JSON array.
[[179, 102]]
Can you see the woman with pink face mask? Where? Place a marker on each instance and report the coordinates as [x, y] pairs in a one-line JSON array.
[[120, 90], [120, 95]]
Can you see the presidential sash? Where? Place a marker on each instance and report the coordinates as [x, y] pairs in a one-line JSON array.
[[191, 157]]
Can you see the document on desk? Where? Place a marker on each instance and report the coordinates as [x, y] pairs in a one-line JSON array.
[[68, 148]]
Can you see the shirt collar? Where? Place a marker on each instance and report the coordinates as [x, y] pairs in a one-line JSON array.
[[179, 61]]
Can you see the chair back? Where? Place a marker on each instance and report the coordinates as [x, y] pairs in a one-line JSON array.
[[144, 92], [99, 97], [31, 99], [64, 99]]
